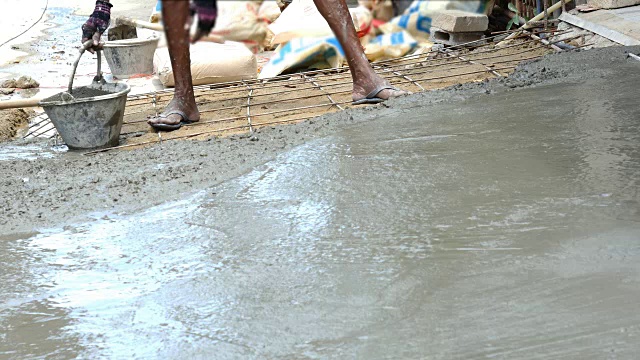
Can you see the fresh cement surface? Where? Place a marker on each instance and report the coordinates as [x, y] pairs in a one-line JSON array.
[[495, 220]]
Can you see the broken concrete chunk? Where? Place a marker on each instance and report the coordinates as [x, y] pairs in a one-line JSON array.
[[8, 84], [26, 82], [12, 120], [612, 4], [460, 21]]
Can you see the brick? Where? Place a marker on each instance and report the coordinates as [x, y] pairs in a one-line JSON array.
[[440, 36], [460, 21], [612, 4]]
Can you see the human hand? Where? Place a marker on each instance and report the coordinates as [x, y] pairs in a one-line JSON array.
[[97, 23]]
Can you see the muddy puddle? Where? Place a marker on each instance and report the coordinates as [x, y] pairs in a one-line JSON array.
[[498, 227]]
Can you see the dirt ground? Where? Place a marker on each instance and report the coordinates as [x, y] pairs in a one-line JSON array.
[[14, 122], [72, 186]]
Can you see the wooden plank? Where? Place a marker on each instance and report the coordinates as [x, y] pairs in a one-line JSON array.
[[599, 29]]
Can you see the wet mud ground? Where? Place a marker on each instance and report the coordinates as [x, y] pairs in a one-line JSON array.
[[494, 220]]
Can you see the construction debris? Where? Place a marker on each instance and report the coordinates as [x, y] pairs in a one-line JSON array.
[[608, 24], [23, 82], [612, 4], [12, 121]]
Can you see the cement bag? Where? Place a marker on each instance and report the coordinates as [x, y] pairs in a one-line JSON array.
[[210, 63], [239, 21], [302, 19], [390, 46], [302, 53], [417, 19], [269, 11]]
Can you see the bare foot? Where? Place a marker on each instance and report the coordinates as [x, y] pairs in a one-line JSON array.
[[174, 115]]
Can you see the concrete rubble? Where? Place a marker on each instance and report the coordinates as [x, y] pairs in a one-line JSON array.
[[23, 82], [601, 28], [612, 4]]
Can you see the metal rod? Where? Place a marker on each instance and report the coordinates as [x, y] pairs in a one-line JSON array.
[[447, 53], [44, 118], [321, 89], [34, 131], [265, 113], [249, 108], [199, 134], [410, 80], [241, 106]]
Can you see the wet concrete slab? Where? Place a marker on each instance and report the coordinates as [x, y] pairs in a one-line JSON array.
[[502, 226]]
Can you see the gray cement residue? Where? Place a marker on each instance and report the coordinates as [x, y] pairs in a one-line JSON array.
[[453, 224], [81, 92]]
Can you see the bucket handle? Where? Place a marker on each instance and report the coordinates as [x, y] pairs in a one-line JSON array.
[[86, 45]]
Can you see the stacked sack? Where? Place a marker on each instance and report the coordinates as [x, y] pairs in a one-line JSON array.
[[241, 21], [305, 40]]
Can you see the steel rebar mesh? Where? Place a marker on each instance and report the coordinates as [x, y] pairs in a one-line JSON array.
[[245, 105]]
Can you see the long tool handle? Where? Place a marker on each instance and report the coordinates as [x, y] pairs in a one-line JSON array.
[[123, 20], [16, 104]]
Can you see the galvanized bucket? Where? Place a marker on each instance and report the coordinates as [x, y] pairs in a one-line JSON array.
[[131, 56], [89, 122], [88, 117]]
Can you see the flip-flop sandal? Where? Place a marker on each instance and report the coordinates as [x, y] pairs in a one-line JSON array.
[[372, 97], [170, 127]]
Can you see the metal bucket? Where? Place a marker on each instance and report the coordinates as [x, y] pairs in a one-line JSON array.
[[131, 56], [89, 121]]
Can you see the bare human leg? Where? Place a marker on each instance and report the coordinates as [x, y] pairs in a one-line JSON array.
[[365, 79], [182, 108]]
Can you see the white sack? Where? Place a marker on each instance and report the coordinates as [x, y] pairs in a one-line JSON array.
[[210, 63]]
